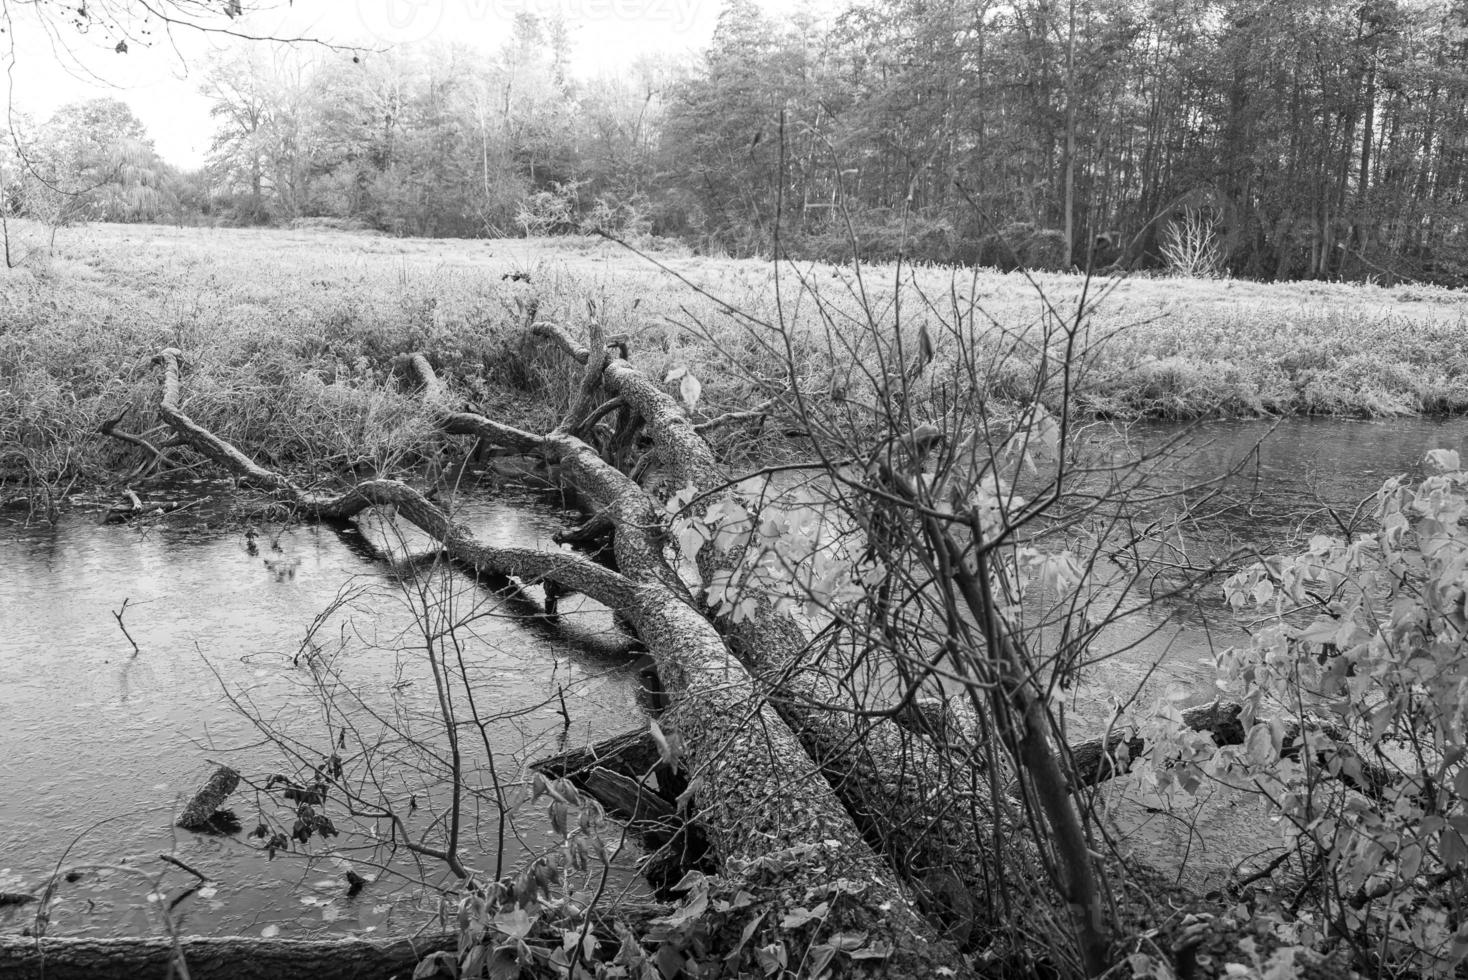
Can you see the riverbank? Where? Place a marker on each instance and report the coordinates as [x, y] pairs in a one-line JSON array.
[[291, 336]]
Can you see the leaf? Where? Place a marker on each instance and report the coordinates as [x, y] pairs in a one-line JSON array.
[[1410, 861], [1444, 460], [1321, 630], [688, 882], [505, 965], [733, 954], [690, 389], [440, 964], [665, 751], [674, 374], [847, 942], [1259, 745], [474, 963], [670, 961], [1045, 433], [772, 958], [270, 931], [685, 798], [693, 907], [1453, 850], [876, 951], [515, 924], [799, 916], [820, 959]]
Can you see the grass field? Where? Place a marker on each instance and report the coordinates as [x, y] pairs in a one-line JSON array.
[[290, 337]]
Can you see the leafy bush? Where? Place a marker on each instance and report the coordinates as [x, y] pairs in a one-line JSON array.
[[1021, 245], [1355, 694], [550, 212]]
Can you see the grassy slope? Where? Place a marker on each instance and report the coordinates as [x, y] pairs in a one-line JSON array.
[[292, 332]]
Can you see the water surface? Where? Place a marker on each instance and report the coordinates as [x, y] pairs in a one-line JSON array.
[[100, 745]]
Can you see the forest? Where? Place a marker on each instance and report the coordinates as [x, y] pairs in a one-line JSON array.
[[1316, 140]]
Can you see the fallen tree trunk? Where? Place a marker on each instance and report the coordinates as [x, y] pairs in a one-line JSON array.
[[757, 791], [223, 958], [947, 829], [251, 957]]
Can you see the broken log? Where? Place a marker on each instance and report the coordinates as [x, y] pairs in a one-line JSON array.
[[616, 772], [215, 958], [633, 754], [630, 799], [202, 809]]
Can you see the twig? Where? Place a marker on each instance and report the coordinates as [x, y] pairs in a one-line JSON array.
[[120, 625], [109, 428], [1267, 870], [728, 418], [180, 864]]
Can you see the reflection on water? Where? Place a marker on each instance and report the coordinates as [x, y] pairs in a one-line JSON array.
[[99, 745], [1287, 476], [1279, 483]]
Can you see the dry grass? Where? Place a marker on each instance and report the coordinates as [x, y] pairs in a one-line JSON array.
[[291, 334]]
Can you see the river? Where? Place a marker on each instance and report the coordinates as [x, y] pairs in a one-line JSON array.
[[101, 744]]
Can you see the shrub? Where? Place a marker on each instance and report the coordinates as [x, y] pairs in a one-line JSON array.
[[1191, 246], [1360, 673]]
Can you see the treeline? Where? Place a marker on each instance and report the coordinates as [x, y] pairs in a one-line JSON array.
[[1318, 138]]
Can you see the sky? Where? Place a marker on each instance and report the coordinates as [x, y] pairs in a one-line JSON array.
[[159, 74]]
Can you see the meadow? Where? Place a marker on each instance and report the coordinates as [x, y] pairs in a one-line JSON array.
[[290, 335]]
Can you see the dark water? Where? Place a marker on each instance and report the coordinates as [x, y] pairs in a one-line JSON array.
[[99, 746], [1256, 489], [1287, 475]]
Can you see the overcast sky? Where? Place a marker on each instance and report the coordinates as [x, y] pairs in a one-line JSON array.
[[159, 78]]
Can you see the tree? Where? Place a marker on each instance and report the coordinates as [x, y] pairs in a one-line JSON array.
[[267, 149], [90, 160], [723, 126]]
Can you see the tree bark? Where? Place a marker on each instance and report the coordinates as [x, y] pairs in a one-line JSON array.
[[222, 958], [208, 799]]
